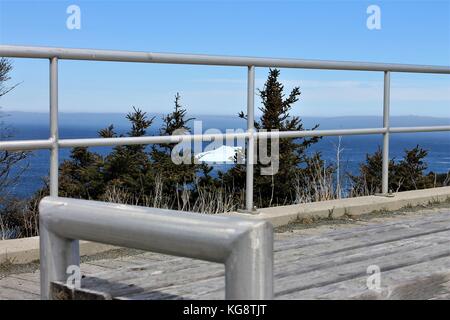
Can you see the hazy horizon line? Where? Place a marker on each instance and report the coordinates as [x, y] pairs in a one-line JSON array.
[[224, 115]]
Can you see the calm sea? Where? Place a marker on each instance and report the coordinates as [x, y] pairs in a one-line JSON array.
[[355, 148]]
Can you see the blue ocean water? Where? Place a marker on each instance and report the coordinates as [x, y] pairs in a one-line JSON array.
[[355, 148]]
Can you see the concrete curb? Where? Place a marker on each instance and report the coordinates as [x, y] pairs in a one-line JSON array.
[[283, 215], [26, 250]]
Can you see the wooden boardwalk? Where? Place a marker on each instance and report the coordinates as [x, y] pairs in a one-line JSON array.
[[412, 252]]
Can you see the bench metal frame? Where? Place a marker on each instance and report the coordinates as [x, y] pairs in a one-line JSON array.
[[245, 246]]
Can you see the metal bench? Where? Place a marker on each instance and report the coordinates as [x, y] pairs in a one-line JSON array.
[[243, 245]]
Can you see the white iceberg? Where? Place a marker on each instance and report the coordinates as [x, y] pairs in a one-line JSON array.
[[223, 154]]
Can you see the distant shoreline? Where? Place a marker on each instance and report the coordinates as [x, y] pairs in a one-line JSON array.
[[7, 112]]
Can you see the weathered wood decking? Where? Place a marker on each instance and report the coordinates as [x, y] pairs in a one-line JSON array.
[[413, 253]]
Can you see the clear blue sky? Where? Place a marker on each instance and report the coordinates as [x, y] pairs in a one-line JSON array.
[[415, 32]]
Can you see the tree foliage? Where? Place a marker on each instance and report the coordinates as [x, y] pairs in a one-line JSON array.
[[174, 176], [406, 174], [12, 164], [276, 110], [136, 170]]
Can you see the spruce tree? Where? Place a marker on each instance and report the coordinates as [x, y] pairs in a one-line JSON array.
[[406, 174], [126, 166], [174, 176], [81, 176], [276, 111]]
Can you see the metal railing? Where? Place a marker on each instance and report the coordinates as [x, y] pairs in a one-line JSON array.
[[245, 246], [54, 143]]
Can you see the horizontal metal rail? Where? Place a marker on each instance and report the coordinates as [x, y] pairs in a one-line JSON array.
[[19, 145], [319, 133], [245, 246], [68, 143], [418, 129], [98, 142], [174, 58]]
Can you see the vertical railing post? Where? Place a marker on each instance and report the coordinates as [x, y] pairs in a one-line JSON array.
[[386, 106], [250, 142], [54, 126], [56, 253]]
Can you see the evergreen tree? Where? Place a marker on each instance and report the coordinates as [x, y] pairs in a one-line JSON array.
[[175, 176], [368, 181], [406, 174], [126, 166], [410, 171], [82, 175], [276, 109]]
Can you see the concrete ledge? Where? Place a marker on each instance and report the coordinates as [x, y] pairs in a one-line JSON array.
[[283, 215], [26, 250]]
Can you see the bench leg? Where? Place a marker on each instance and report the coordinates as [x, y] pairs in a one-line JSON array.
[[56, 255], [249, 268]]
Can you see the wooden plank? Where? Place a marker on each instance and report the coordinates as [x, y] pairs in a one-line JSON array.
[[199, 289], [294, 280], [152, 269], [361, 238], [419, 288], [361, 255], [397, 248], [126, 283], [8, 292], [346, 231], [357, 286], [336, 257], [24, 285], [32, 277]]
